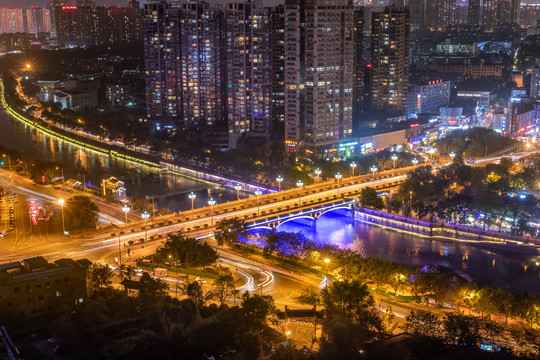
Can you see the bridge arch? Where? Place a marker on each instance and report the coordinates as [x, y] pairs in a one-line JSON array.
[[296, 218], [334, 209]]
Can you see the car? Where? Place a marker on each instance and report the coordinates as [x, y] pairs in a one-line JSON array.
[[200, 280]]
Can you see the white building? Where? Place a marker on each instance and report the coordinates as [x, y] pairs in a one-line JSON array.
[[429, 98]]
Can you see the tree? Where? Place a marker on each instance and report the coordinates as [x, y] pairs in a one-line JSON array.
[[251, 345], [188, 313], [389, 317], [100, 277], [151, 290], [346, 340], [369, 198], [223, 285], [229, 230], [462, 328], [423, 323], [187, 252], [350, 300], [80, 212], [256, 310], [195, 293]]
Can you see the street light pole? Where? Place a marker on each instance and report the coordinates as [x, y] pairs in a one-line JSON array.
[[415, 161], [145, 216], [258, 193], [373, 169], [119, 247], [394, 157], [353, 166], [192, 197], [338, 176], [300, 183], [318, 173], [452, 155], [212, 202], [238, 187], [61, 202], [126, 209], [279, 180], [326, 262]]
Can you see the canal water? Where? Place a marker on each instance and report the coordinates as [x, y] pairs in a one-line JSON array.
[[168, 189], [487, 267]]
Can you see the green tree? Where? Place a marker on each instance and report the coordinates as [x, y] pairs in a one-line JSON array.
[[257, 310], [251, 345], [100, 277], [369, 198], [188, 314], [80, 212], [228, 230], [350, 300], [187, 252], [195, 293], [223, 286], [423, 323], [463, 328]]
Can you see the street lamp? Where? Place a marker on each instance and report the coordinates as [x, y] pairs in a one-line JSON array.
[[212, 202], [192, 197], [126, 209], [62, 168], [410, 200], [279, 180], [145, 215], [300, 184], [452, 155], [61, 202], [326, 262], [338, 176], [394, 158], [9, 161], [353, 166], [258, 193], [318, 173], [415, 161], [237, 187], [373, 170]]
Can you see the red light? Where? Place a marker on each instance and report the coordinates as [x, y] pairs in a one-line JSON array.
[[69, 8], [368, 65], [415, 125]]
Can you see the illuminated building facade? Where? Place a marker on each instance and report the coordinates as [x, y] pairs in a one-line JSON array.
[[202, 50], [249, 70], [390, 59], [319, 60], [12, 21], [429, 98], [162, 60]]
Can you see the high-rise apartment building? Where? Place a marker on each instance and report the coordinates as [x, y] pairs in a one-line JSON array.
[[390, 59], [12, 21], [319, 42], [38, 20], [535, 83], [358, 64], [75, 25], [249, 70], [433, 14], [203, 65], [278, 64], [162, 60]]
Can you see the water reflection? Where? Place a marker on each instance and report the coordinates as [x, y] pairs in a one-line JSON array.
[[139, 179], [485, 266]]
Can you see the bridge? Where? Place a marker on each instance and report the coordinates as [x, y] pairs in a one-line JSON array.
[[311, 214]]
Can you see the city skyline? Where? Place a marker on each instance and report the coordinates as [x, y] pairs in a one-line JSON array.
[[29, 3]]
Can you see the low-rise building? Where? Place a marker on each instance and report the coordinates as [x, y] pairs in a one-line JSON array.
[[34, 287], [113, 188], [75, 99], [428, 97], [116, 95]]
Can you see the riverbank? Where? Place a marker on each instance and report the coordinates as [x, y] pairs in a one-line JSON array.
[[489, 239], [128, 155]]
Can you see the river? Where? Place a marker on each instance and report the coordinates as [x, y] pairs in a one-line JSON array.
[[169, 190], [485, 266]]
